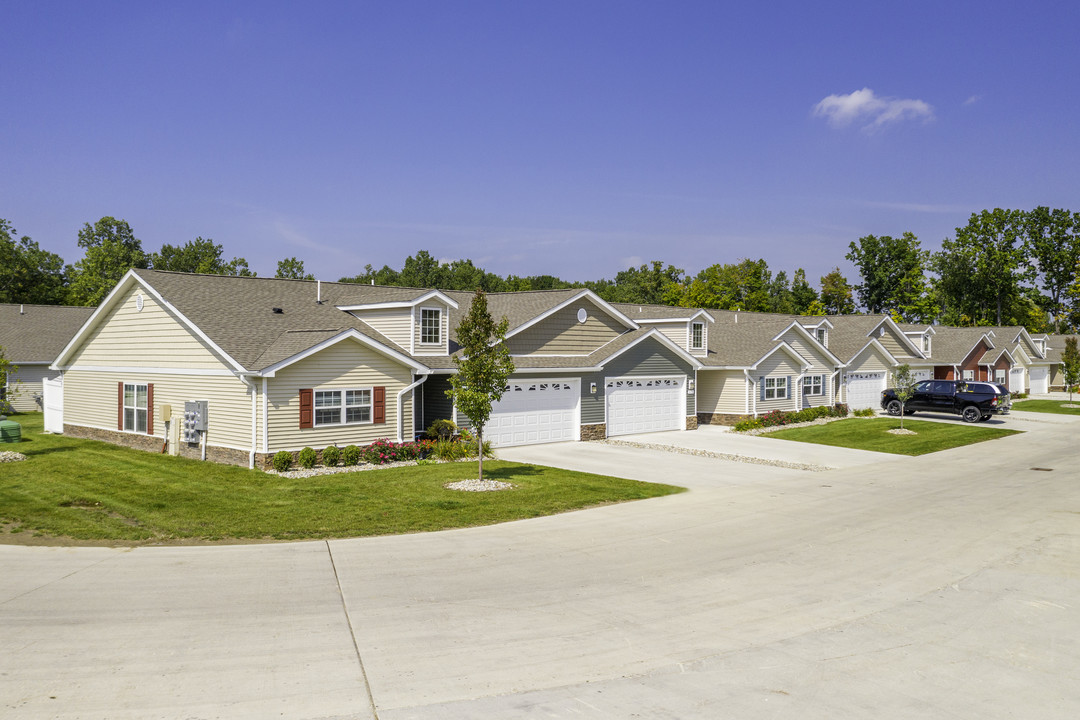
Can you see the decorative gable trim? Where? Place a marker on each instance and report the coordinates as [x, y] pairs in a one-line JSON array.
[[607, 307], [347, 335]]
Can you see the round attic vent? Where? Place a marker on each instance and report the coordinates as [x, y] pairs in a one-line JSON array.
[[139, 302], [582, 316]]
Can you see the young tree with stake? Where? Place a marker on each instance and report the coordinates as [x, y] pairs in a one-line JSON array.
[[483, 368]]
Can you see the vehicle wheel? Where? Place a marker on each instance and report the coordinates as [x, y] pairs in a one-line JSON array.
[[893, 408], [971, 414]]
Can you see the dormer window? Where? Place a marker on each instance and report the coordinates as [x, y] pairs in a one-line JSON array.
[[430, 326], [697, 336], [926, 343], [822, 336]]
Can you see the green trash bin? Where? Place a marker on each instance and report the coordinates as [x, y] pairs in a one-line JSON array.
[[10, 431]]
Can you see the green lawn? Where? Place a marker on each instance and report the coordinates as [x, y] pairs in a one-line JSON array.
[[872, 435], [88, 490], [1049, 406]]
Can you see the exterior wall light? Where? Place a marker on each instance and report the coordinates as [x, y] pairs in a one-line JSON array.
[[592, 388]]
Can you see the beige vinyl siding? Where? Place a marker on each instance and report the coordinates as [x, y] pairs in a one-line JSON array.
[[721, 391], [819, 361], [148, 338], [444, 326], [869, 361], [24, 384], [562, 334], [90, 401], [890, 342], [347, 364], [778, 365], [394, 323], [675, 332]]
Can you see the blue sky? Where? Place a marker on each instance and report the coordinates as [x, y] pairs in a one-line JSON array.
[[563, 138]]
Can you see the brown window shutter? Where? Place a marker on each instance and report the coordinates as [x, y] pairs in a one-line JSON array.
[[307, 415], [378, 411], [120, 406], [149, 408]]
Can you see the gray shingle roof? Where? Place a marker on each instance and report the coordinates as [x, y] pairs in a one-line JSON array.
[[37, 333]]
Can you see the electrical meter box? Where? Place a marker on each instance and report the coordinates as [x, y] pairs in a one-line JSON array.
[[194, 420]]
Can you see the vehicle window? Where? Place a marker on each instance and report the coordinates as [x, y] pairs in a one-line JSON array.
[[943, 386], [925, 386]]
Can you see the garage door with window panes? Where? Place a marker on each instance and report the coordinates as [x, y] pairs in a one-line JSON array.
[[1040, 380], [533, 412], [639, 405], [864, 390]]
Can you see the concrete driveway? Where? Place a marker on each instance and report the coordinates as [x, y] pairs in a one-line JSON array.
[[939, 586]]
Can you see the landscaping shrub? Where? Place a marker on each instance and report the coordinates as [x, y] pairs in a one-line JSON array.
[[865, 412], [307, 458], [282, 460], [331, 456], [441, 429], [777, 418], [748, 424], [381, 452], [351, 455]]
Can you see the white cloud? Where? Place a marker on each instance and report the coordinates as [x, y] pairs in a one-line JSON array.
[[973, 99], [874, 112]]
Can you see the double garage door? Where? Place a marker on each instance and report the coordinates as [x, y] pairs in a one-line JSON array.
[[544, 411]]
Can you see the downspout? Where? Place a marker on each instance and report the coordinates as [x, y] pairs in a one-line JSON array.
[[254, 419], [750, 396], [266, 420], [400, 414], [832, 387]]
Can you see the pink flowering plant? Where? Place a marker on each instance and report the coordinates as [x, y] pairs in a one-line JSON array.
[[384, 451]]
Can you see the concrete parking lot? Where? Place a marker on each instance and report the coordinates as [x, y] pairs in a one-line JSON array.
[[890, 587]]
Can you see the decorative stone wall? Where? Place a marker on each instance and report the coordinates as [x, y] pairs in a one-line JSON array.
[[149, 443], [593, 432], [719, 418], [691, 422]]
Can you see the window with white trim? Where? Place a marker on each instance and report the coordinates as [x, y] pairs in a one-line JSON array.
[[775, 388], [342, 407], [136, 399], [969, 375], [813, 385], [999, 376], [926, 343], [821, 336], [430, 326], [697, 336]]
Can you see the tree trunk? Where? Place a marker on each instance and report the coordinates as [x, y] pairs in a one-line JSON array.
[[480, 449]]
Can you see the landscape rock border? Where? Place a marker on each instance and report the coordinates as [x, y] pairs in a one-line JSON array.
[[11, 456]]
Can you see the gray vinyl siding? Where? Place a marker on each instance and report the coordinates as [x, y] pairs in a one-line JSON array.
[[562, 334], [721, 391], [647, 359], [25, 384], [90, 401], [433, 402]]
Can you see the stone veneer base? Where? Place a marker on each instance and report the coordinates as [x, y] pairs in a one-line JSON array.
[[593, 432], [719, 418], [150, 443]]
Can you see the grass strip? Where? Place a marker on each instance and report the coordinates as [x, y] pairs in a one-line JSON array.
[[874, 435]]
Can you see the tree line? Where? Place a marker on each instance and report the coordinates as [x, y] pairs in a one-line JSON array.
[[1005, 267]]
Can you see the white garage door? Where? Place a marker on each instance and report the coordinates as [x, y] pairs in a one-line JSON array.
[[864, 390], [532, 412], [1040, 380], [1016, 380], [638, 405]]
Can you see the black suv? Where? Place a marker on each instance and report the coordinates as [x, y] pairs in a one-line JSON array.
[[972, 401]]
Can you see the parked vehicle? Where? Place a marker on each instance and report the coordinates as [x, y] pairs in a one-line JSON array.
[[972, 401]]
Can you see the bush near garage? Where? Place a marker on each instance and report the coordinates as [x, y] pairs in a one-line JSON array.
[[777, 418]]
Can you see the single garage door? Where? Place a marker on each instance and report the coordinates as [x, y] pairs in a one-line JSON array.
[[864, 390], [639, 405], [533, 412], [1040, 380], [1016, 380]]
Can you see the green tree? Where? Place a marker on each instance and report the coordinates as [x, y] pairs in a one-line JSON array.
[[651, 284], [1070, 365], [198, 256], [904, 386], [1052, 245], [747, 285], [980, 270], [484, 366], [384, 276], [292, 269], [893, 272], [803, 296], [422, 271], [29, 274], [836, 294], [111, 249]]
